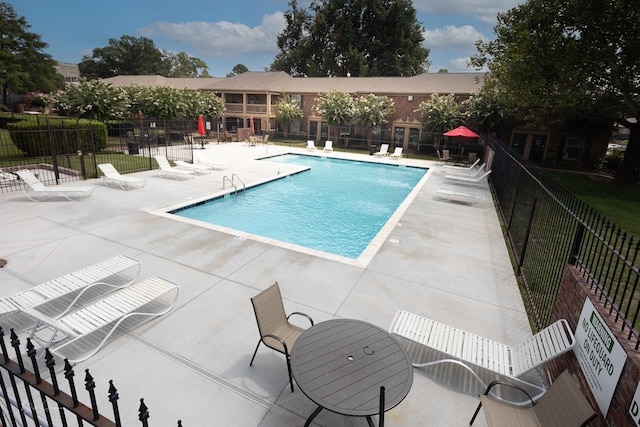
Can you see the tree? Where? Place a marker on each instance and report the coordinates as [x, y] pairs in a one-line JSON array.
[[372, 111], [440, 114], [183, 65], [335, 108], [139, 56], [292, 43], [352, 37], [560, 62], [237, 70], [23, 65], [93, 99], [486, 110], [288, 110]]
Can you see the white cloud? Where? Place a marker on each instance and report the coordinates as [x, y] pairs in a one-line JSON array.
[[461, 39], [222, 39], [483, 10]]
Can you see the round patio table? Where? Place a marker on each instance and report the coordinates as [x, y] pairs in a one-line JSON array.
[[341, 364]]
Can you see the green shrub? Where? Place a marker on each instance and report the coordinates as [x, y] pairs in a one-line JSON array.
[[34, 137]]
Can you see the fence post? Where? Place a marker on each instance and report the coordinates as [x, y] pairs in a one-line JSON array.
[[113, 398], [50, 363], [143, 412], [577, 242], [90, 386], [528, 232]]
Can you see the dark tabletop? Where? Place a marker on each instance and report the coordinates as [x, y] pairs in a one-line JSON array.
[[341, 364]]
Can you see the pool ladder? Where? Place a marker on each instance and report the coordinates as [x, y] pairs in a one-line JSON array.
[[232, 182]]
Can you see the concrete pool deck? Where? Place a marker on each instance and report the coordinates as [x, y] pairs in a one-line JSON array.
[[444, 260]]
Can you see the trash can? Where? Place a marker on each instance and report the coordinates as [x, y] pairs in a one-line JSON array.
[[133, 147], [373, 149]]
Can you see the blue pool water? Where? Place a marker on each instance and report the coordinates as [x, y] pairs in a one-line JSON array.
[[337, 206]]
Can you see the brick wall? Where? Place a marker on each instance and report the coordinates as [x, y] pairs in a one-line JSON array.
[[569, 305]]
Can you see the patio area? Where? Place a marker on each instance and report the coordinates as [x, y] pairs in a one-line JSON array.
[[444, 260]]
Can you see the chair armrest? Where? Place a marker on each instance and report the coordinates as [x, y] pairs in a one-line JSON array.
[[301, 314], [280, 340], [489, 387]]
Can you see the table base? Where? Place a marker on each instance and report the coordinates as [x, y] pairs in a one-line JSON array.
[[320, 408]]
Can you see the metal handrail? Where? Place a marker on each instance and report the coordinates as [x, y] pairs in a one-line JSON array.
[[233, 178]]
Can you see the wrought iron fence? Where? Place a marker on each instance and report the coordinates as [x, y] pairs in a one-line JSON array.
[[548, 227], [26, 399], [69, 151]]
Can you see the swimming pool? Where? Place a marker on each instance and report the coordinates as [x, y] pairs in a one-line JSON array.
[[336, 206]]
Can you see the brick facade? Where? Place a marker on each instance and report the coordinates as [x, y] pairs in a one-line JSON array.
[[569, 303]]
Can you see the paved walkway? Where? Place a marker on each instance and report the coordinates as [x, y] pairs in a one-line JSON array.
[[445, 260]]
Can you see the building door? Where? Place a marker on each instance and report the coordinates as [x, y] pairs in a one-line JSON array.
[[398, 137], [538, 147]]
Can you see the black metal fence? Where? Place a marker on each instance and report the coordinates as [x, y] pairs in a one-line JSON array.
[[26, 399], [70, 152], [548, 228]]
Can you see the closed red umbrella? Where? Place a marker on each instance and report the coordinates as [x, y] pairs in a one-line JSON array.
[[462, 131], [251, 129], [201, 130]]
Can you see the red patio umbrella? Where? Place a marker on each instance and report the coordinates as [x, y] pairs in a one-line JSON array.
[[462, 131], [201, 130], [251, 129]]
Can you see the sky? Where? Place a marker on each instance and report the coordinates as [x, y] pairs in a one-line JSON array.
[[226, 33]]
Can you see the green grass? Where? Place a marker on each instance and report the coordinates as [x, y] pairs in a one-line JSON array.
[[619, 203]]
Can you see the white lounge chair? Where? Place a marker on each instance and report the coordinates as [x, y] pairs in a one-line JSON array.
[[397, 153], [481, 356], [110, 175], [311, 146], [7, 178], [202, 157], [166, 169], [466, 180], [473, 173], [56, 297], [461, 169], [200, 169], [458, 196], [34, 186], [384, 151], [328, 146], [83, 333]]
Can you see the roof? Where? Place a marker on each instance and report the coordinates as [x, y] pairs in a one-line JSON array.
[[279, 81]]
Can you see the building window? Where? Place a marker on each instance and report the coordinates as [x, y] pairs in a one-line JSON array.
[[571, 149]]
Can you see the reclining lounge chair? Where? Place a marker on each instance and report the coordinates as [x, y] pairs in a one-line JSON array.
[[384, 151], [34, 186], [110, 175], [481, 355], [166, 169], [83, 333], [56, 297]]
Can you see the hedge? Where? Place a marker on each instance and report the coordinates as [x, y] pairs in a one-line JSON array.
[[69, 136]]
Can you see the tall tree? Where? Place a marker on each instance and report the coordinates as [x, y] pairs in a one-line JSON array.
[[127, 56], [23, 65], [237, 70], [352, 37], [139, 56], [571, 61], [183, 65]]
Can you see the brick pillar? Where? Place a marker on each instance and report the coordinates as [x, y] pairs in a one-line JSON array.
[[571, 296]]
